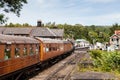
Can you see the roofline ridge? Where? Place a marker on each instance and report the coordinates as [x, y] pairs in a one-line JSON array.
[[114, 35]]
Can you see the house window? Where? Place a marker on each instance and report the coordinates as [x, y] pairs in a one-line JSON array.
[[117, 39], [7, 52], [114, 39]]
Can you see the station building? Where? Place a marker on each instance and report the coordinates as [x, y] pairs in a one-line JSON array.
[[37, 31]]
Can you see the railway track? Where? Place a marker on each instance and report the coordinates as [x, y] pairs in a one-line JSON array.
[[61, 70]]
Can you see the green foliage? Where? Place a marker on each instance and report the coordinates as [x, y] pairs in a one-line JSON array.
[[114, 27], [2, 19], [17, 25], [107, 61], [78, 31], [96, 53], [14, 6]]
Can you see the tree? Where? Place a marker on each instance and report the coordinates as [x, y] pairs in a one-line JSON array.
[[17, 25], [13, 6], [93, 36], [11, 25], [26, 25], [114, 27]]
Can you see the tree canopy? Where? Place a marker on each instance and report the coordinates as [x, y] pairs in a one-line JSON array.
[[17, 25], [13, 6], [91, 33]]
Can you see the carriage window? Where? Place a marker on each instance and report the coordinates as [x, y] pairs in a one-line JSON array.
[[17, 51], [31, 50], [50, 48], [47, 48], [37, 49], [25, 50], [61, 47], [7, 52], [58, 47], [54, 48]]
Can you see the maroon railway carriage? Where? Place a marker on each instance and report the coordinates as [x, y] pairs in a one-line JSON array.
[[50, 48], [17, 53]]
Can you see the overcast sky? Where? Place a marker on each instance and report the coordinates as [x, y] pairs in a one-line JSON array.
[[85, 12]]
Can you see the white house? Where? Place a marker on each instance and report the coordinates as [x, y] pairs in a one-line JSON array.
[[115, 40]]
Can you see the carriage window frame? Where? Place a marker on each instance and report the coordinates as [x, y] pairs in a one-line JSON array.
[[25, 50], [31, 49], [50, 48], [58, 47], [61, 47], [17, 51], [47, 48], [37, 48], [55, 47], [7, 51]]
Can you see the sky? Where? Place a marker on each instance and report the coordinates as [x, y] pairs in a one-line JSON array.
[[85, 12]]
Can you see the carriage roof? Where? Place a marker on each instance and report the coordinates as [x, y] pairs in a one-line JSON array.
[[16, 39], [49, 40]]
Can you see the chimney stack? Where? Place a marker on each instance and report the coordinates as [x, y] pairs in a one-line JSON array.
[[39, 23]]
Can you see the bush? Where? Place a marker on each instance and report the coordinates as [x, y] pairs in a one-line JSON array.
[[107, 61], [95, 53]]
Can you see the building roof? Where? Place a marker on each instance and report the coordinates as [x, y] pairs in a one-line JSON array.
[[115, 36], [40, 31], [2, 29], [17, 30], [58, 32], [32, 31], [117, 32]]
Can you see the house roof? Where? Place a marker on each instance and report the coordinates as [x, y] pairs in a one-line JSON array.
[[17, 30], [115, 35], [117, 32]]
